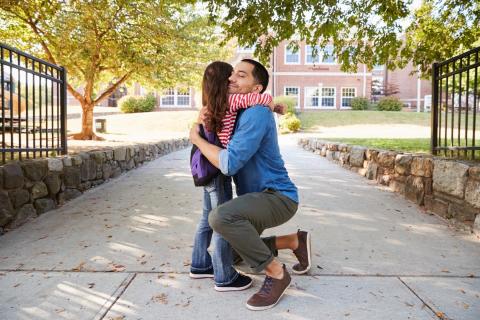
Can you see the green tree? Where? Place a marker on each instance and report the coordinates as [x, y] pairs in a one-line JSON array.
[[362, 31], [153, 42], [441, 30]]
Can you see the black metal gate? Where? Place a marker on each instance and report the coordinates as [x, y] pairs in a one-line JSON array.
[[455, 105], [33, 106]]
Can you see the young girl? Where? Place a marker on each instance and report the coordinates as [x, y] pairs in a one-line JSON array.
[[220, 116]]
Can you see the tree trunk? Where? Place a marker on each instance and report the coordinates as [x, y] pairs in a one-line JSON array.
[[87, 125]]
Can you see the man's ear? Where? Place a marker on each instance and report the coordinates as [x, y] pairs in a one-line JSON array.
[[257, 88]]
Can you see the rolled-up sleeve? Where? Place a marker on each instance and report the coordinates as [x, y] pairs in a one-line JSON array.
[[223, 159], [246, 140]]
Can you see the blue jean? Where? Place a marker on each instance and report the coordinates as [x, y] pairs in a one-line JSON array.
[[217, 192]]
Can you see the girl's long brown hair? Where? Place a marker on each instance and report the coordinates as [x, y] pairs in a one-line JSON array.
[[215, 93]]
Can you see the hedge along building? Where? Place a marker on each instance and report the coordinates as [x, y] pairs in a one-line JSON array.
[[318, 83]]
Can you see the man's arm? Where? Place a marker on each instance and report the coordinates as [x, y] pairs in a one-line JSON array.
[[210, 151], [244, 144]]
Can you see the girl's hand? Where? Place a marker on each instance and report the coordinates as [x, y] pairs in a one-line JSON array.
[[280, 108]]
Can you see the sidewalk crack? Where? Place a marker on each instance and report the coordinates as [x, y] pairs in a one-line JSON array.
[[115, 295], [440, 315]]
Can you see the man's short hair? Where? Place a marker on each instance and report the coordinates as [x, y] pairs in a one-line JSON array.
[[259, 73]]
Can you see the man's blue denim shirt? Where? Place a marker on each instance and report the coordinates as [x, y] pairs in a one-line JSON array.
[[253, 156]]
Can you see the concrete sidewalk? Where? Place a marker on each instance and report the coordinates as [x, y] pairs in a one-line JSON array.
[[122, 251]]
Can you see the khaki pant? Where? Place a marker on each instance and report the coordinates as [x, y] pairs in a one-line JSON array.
[[242, 220]]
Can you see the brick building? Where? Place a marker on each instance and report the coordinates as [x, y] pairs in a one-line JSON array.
[[317, 82]]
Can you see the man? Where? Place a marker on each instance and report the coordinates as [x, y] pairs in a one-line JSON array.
[[266, 196]]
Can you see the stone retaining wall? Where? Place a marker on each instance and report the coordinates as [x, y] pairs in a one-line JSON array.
[[448, 188], [31, 187]]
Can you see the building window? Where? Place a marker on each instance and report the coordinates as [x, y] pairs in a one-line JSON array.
[[378, 67], [327, 56], [328, 97], [168, 97], [292, 55], [312, 97], [310, 58], [183, 97], [347, 95], [292, 92], [377, 86], [175, 97]]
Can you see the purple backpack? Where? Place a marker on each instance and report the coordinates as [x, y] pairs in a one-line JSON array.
[[203, 171]]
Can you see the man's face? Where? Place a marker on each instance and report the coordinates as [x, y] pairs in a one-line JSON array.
[[242, 80]]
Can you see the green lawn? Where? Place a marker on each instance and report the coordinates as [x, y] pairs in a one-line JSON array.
[[313, 119], [419, 145], [407, 145]]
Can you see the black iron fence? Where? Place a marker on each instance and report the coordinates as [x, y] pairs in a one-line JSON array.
[[32, 106], [455, 106]]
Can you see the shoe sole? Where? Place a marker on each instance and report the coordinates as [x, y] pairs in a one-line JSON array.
[[309, 253], [200, 276], [253, 308], [227, 289]]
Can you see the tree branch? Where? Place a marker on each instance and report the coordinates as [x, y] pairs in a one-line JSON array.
[[76, 94], [34, 27], [112, 88]]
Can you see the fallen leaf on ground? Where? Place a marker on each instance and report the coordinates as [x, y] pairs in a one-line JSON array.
[[117, 267], [80, 267], [160, 298], [445, 271], [91, 285], [440, 315]]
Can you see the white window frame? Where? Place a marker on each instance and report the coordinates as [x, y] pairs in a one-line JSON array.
[[319, 56], [298, 94], [323, 55], [299, 53], [334, 98], [342, 96], [175, 99], [305, 98]]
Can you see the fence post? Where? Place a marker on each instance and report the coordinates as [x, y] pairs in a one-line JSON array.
[[434, 113], [63, 102]]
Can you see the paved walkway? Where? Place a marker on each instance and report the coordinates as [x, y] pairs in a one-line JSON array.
[[122, 250]]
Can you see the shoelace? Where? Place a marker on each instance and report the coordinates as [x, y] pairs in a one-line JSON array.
[[267, 286]]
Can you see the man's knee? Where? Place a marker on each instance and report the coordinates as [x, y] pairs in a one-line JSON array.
[[216, 219]]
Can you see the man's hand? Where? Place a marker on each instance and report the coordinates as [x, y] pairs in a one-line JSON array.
[[195, 134], [201, 115]]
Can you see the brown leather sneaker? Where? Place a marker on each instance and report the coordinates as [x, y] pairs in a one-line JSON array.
[[303, 253], [270, 293]]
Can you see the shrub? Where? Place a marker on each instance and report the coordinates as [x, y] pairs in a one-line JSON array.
[[360, 103], [130, 104], [289, 101], [289, 123], [390, 104]]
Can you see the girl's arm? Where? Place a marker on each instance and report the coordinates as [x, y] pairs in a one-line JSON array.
[[244, 100]]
